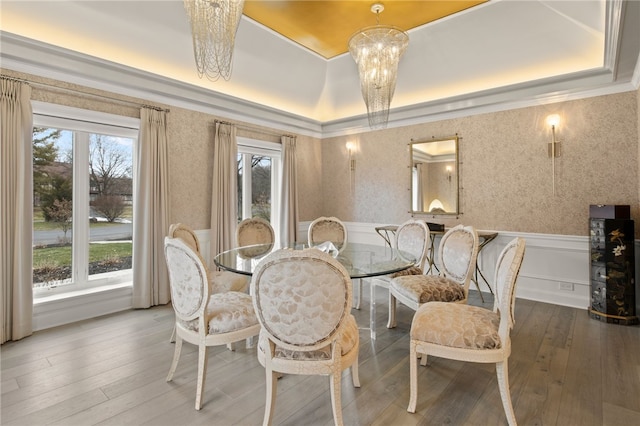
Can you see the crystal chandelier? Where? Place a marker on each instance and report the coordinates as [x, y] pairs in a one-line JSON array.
[[377, 51], [214, 24]]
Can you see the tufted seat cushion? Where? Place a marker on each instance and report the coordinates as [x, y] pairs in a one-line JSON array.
[[427, 288], [456, 325], [222, 281], [414, 270], [349, 340], [227, 312]]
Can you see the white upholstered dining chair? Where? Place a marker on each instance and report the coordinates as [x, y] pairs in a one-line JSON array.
[[203, 318], [325, 229], [333, 230], [413, 237], [457, 252], [253, 232], [471, 333], [303, 302], [220, 280]]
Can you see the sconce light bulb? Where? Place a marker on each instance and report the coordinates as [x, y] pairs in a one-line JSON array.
[[449, 169], [350, 146], [553, 120]]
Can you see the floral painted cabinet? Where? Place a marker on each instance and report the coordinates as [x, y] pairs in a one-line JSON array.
[[613, 293]]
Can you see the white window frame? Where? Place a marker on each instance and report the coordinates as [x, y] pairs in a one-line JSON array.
[[248, 147], [84, 122]]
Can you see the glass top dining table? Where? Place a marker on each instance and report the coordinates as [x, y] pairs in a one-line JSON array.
[[360, 260]]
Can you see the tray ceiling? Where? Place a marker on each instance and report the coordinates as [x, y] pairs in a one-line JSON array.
[[528, 48]]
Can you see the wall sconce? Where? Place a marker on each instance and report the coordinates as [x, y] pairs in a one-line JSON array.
[[553, 147], [449, 170], [352, 162]]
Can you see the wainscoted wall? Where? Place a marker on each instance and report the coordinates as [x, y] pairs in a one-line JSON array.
[[555, 269], [78, 306]]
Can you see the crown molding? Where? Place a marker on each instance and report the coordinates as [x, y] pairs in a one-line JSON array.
[[44, 60], [41, 59]]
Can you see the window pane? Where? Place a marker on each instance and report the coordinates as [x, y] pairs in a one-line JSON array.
[[53, 208], [111, 203], [261, 187], [62, 253]]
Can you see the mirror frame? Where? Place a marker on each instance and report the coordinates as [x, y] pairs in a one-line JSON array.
[[453, 139]]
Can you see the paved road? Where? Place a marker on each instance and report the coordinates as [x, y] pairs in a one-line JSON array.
[[121, 231]]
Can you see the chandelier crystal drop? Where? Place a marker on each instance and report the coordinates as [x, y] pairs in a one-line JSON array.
[[214, 24], [377, 51]]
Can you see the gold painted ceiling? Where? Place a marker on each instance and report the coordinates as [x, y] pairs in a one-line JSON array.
[[326, 26]]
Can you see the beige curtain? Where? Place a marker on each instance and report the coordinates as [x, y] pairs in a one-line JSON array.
[[151, 212], [289, 193], [16, 208], [224, 197]]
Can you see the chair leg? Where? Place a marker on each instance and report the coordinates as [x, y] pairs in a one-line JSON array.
[[202, 374], [355, 375], [359, 301], [391, 322], [272, 383], [502, 370], [372, 309], [413, 377], [423, 360], [176, 357], [336, 402]]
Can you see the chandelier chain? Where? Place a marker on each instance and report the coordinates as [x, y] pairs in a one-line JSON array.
[[377, 51], [214, 24]]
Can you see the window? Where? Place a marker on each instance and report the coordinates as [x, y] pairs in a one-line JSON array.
[[259, 189], [83, 198]]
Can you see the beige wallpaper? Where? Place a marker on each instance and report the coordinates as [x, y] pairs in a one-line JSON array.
[[505, 172], [191, 137]]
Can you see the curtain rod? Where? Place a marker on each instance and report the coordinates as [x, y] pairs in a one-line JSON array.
[[52, 88], [254, 129]]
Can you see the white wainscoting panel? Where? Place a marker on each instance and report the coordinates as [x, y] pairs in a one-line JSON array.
[[204, 236], [555, 267], [78, 306]]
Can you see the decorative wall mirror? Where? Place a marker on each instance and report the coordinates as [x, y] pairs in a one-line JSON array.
[[434, 176]]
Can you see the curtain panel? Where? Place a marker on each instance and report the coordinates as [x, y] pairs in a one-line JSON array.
[[289, 192], [151, 212], [16, 208], [224, 197]]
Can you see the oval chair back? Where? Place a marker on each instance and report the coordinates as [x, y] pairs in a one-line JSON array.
[[329, 229]]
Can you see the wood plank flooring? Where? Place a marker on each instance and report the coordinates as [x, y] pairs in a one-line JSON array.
[[565, 369]]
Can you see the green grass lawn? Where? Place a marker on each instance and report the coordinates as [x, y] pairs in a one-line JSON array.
[[61, 256], [40, 225]]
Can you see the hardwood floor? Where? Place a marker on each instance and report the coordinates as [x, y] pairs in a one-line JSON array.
[[565, 369]]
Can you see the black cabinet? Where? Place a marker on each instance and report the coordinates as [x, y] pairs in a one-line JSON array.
[[613, 292]]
